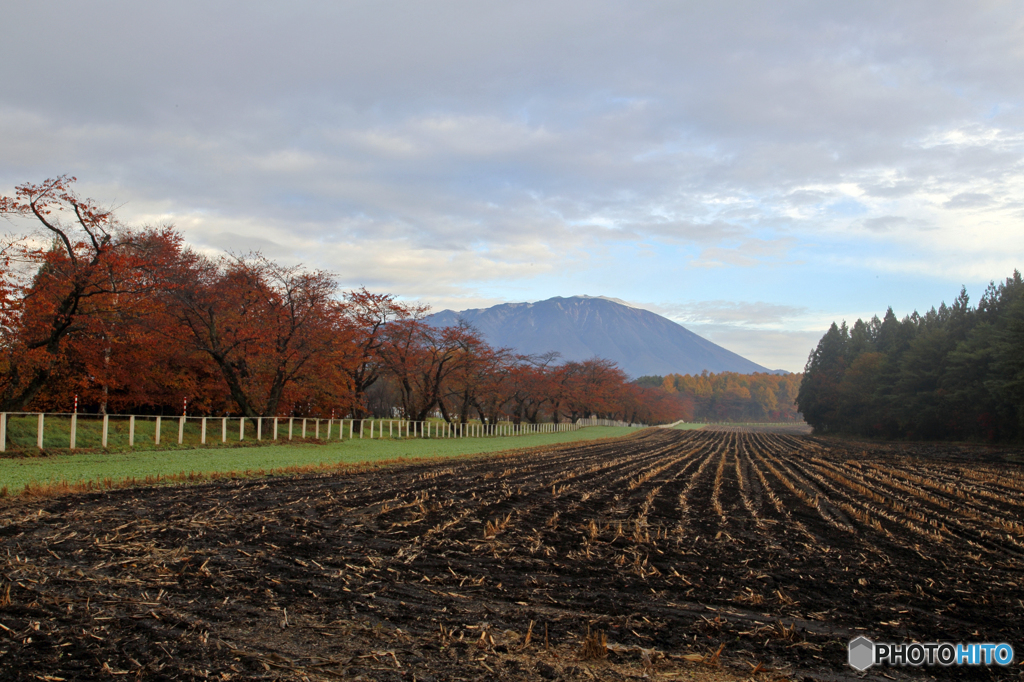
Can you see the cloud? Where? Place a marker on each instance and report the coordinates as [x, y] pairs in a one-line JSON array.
[[969, 200], [748, 253], [485, 149], [732, 313], [775, 349]]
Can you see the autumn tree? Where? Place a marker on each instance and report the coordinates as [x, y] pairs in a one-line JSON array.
[[420, 359], [76, 254], [477, 381], [534, 388], [366, 315], [263, 324], [589, 387], [117, 356]]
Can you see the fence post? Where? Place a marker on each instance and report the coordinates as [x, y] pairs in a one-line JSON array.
[[275, 428], [181, 429], [131, 430], [223, 429], [316, 427], [106, 425], [74, 429], [291, 426], [157, 433], [330, 423], [362, 423], [259, 428], [241, 429], [303, 427], [39, 432], [3, 431], [202, 432]]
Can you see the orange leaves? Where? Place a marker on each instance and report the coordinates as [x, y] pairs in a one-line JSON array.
[[131, 319], [265, 326]]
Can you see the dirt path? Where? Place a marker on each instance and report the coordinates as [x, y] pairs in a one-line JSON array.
[[772, 549]]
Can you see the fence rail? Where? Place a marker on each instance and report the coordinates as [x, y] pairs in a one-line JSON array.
[[592, 421], [73, 430]]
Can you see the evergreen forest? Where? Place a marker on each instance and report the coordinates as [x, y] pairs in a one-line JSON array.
[[953, 373]]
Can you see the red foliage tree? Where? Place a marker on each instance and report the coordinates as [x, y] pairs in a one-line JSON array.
[[367, 315], [74, 261], [263, 325]]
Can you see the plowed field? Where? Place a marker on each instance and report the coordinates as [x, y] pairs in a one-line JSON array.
[[762, 548]]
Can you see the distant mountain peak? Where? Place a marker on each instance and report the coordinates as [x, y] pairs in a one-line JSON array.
[[638, 341], [609, 298]]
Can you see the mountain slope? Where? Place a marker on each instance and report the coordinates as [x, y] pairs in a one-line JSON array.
[[581, 327]]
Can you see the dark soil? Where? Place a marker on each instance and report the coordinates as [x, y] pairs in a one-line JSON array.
[[665, 549]]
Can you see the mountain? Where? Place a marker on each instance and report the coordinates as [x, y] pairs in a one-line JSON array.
[[581, 327]]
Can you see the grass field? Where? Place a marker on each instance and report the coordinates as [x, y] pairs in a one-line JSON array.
[[117, 466]]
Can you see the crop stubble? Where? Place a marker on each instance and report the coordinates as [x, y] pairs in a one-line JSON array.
[[669, 544]]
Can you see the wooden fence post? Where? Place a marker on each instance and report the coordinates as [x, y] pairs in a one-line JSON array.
[[39, 432], [291, 426], [156, 437], [303, 427], [181, 429], [106, 428], [241, 429], [202, 432], [131, 430], [74, 429], [3, 431], [275, 428], [259, 428], [223, 429], [316, 427]]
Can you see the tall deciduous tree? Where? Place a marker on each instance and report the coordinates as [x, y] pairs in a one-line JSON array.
[[263, 324], [75, 253], [367, 315]]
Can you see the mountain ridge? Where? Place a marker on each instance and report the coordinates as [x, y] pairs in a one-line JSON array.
[[581, 327]]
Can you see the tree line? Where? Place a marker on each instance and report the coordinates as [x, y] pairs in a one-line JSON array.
[[732, 397], [956, 372], [133, 320]]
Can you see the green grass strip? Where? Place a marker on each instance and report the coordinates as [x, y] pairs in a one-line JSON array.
[[17, 472]]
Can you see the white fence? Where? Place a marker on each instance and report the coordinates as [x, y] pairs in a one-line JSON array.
[[607, 422], [130, 429]]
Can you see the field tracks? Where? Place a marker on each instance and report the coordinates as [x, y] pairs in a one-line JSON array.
[[767, 547]]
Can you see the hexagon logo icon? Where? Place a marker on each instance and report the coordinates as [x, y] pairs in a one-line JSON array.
[[862, 653]]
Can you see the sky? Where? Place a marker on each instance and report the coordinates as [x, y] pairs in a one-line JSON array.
[[751, 170]]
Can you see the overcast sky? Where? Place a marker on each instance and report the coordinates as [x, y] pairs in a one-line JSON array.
[[753, 171]]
